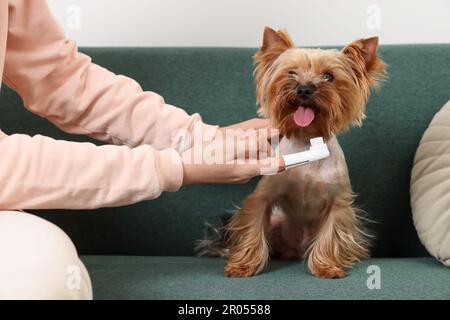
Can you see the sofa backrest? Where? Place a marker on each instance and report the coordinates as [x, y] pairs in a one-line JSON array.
[[218, 83]]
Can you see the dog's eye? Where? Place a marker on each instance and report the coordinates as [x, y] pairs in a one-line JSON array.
[[292, 73], [327, 77]]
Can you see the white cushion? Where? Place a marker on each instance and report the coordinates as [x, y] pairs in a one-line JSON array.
[[430, 187]]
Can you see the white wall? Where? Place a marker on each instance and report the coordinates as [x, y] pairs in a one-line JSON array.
[[240, 22]]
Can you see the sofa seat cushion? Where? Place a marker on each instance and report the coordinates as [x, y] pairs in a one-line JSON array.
[[151, 277]]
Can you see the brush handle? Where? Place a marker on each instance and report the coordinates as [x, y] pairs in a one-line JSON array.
[[317, 151]]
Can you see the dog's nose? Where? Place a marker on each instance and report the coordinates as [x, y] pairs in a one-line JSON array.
[[306, 91]]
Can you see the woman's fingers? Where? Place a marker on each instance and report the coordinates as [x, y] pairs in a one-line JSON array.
[[231, 172], [256, 144], [255, 123], [251, 139], [281, 164], [237, 154]]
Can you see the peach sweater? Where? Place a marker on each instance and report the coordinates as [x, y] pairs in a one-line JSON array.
[[57, 82]]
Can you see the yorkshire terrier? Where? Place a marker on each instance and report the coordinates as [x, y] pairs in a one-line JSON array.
[[306, 212]]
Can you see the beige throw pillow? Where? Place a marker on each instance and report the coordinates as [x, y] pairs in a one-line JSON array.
[[430, 187]]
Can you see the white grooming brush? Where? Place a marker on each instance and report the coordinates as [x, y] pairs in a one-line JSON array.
[[317, 151]]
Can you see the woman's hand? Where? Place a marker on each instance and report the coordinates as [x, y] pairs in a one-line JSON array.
[[230, 172], [255, 123], [238, 153]]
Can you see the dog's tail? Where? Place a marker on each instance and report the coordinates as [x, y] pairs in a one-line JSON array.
[[214, 243]]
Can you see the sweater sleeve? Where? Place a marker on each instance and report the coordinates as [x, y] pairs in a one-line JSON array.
[[43, 173], [61, 84]]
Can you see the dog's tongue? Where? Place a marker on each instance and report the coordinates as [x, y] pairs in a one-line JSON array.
[[304, 116]]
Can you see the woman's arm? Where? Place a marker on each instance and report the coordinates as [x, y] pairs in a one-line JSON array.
[[43, 173], [57, 82]]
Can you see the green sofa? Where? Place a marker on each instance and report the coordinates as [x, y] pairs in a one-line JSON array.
[[145, 251]]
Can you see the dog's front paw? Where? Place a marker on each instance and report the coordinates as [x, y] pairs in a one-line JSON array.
[[239, 272], [331, 272]]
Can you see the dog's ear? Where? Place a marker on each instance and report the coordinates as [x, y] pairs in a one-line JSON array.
[[364, 52], [276, 40], [274, 44]]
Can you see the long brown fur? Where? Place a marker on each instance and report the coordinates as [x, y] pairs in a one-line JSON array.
[[306, 212]]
